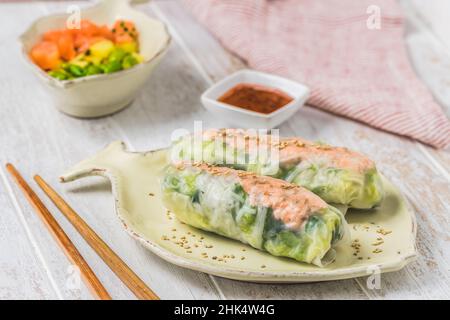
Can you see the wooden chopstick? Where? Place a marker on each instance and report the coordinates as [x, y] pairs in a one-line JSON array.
[[128, 277], [89, 277]]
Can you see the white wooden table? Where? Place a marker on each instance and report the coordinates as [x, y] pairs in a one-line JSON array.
[[39, 139]]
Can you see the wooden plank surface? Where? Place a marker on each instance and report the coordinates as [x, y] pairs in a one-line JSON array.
[[22, 273], [401, 160], [431, 58], [38, 139]]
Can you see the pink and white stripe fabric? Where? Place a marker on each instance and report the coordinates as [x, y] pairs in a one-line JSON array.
[[353, 71]]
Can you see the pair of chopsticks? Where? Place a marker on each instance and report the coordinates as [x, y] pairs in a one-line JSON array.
[[128, 277]]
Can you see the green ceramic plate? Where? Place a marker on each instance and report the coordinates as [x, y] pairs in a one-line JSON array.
[[383, 240]]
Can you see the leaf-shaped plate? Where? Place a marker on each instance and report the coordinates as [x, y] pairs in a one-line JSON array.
[[383, 239]]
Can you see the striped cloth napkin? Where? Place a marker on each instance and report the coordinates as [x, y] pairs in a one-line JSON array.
[[353, 68]]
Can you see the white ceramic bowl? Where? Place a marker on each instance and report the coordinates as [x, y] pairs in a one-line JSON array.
[[242, 118], [99, 95]]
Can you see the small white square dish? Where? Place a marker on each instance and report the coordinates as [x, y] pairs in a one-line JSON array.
[[243, 118]]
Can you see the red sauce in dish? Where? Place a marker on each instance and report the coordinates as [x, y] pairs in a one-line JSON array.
[[255, 97]]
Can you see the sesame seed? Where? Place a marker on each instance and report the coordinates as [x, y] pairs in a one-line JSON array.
[[383, 231]]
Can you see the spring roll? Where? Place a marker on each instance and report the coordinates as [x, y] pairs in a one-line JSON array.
[[268, 214], [338, 175]]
